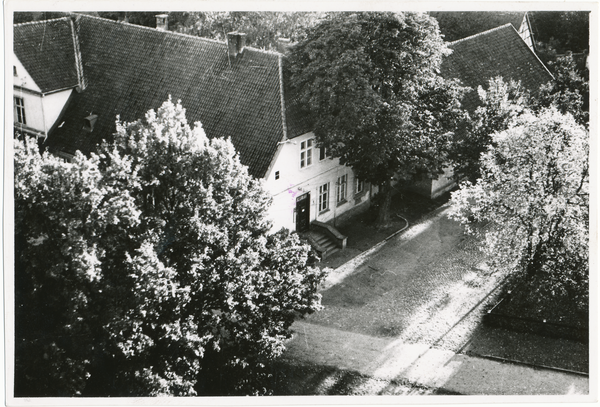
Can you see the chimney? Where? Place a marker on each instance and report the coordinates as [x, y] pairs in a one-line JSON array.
[[283, 45], [235, 43], [162, 22]]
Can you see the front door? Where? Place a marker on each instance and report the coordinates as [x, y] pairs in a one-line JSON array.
[[303, 212]]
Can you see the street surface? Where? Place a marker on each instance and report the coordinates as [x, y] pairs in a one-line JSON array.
[[394, 314]]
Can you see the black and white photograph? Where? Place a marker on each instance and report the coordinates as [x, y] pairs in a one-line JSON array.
[[358, 203]]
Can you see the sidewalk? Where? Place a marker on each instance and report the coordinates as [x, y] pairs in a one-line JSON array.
[[392, 359]]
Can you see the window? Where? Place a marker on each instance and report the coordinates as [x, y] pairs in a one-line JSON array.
[[360, 185], [306, 148], [324, 197], [276, 174], [323, 154], [341, 188], [20, 110], [15, 71]]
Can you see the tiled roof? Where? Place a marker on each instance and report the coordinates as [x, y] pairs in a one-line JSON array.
[[497, 52], [455, 25], [130, 69], [45, 48]]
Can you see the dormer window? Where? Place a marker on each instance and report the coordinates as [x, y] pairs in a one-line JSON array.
[[89, 122]]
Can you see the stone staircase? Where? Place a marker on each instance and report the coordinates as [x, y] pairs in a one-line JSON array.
[[325, 239], [323, 244]]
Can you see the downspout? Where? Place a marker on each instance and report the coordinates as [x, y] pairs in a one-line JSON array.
[[44, 119]]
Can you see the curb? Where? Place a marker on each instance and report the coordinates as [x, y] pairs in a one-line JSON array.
[[338, 274], [532, 365]]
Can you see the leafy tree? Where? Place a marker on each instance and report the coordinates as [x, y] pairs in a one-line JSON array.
[[534, 186], [64, 212], [148, 269], [569, 92], [262, 29], [564, 30], [370, 83], [501, 103]]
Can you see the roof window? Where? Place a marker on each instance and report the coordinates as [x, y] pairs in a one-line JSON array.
[[89, 122]]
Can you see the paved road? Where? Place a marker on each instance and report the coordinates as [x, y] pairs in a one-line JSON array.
[[413, 275], [385, 310]]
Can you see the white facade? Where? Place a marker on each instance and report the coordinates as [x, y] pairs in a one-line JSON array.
[[33, 110], [299, 169]]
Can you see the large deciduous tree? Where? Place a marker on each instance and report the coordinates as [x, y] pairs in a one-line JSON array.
[[568, 92], [534, 186], [370, 82], [501, 103], [148, 269], [262, 29]]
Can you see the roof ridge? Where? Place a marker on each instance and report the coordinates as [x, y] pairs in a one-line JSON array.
[[41, 21], [174, 33], [480, 34]]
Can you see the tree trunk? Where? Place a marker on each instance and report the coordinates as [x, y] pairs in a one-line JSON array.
[[383, 218]]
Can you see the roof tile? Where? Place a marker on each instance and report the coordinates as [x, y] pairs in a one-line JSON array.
[[45, 48], [492, 53], [130, 69]]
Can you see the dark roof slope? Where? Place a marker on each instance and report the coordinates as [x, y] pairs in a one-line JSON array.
[[497, 52], [455, 25], [130, 69], [45, 48]]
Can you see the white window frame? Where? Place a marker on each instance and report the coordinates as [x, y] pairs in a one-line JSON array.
[[306, 151], [359, 185], [341, 189], [324, 197], [20, 110], [323, 154]]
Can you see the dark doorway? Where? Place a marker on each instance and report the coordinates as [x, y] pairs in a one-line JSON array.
[[303, 213]]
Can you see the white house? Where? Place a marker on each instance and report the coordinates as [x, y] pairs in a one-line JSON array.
[[77, 73], [38, 97]]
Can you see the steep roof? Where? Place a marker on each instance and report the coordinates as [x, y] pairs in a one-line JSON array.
[[455, 25], [496, 52], [45, 48], [130, 69]]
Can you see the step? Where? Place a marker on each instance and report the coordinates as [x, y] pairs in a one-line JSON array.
[[323, 240], [329, 245]]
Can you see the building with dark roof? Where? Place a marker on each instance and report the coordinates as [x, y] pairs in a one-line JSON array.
[[501, 51], [497, 52], [103, 69], [74, 75]]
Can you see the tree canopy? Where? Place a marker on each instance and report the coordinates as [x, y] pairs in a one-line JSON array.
[[148, 269], [370, 82], [262, 29], [534, 187], [501, 104]]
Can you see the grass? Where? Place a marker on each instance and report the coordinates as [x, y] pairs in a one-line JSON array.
[[532, 338]]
